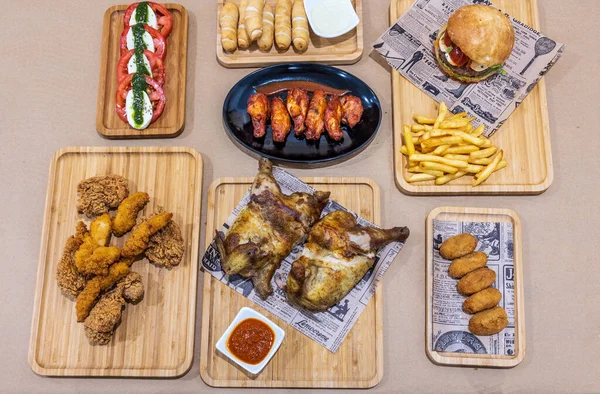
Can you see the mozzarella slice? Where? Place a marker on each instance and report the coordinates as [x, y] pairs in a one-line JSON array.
[[151, 18], [146, 111], [146, 37], [132, 66]]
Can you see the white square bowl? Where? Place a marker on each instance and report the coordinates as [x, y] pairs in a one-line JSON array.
[[246, 313], [345, 5]]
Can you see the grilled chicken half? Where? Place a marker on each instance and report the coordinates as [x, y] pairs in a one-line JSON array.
[[337, 255], [267, 229]]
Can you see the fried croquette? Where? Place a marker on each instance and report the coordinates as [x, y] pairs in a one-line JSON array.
[[98, 263], [482, 300], [463, 265], [105, 316], [141, 233], [476, 281], [87, 298], [166, 247], [68, 278], [458, 246], [489, 322], [127, 213], [100, 229], [100, 193]]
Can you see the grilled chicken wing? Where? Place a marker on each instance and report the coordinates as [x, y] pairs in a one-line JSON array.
[[267, 229], [333, 117], [315, 119], [336, 257], [280, 120], [297, 106], [352, 110], [258, 109]]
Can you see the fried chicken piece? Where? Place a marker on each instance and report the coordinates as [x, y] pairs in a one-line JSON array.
[[95, 286], [98, 263], [127, 213], [315, 119], [100, 193], [100, 325], [333, 117], [297, 106], [258, 109], [69, 280], [166, 247], [100, 229], [352, 110], [140, 235], [280, 120]]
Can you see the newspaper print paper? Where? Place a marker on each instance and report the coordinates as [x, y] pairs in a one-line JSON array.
[[450, 324], [326, 328], [408, 47]]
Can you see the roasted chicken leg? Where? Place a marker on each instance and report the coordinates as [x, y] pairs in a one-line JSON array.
[[337, 255], [280, 120], [267, 229], [333, 117], [297, 105], [258, 109], [315, 119], [352, 110]]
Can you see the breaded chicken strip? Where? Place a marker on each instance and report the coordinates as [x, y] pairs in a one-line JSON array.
[[99, 233], [166, 247], [100, 228], [140, 235], [127, 213], [98, 263], [105, 316], [69, 280], [87, 298], [100, 193]]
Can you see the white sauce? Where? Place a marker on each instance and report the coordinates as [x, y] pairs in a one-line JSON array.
[[332, 18]]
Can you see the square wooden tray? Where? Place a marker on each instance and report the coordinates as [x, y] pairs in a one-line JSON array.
[[525, 137], [171, 122], [300, 362], [346, 49], [156, 336], [476, 215]]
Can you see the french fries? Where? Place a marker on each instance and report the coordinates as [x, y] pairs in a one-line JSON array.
[[448, 147]]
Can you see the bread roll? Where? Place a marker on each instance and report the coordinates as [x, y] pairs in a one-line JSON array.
[[228, 22], [265, 42], [283, 24], [300, 34]]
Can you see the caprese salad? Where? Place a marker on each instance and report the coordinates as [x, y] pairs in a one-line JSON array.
[[140, 97]]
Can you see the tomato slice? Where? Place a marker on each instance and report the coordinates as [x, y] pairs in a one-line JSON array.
[[458, 57], [153, 89], [157, 66], [164, 19], [160, 48]]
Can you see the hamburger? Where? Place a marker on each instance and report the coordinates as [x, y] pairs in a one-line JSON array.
[[475, 43]]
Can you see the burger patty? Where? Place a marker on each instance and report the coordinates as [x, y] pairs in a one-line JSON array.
[[464, 71]]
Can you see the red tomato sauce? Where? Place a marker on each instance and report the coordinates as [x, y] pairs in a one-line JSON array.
[[251, 340]]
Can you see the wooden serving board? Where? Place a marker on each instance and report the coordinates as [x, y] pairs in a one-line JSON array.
[[156, 336], [525, 137], [477, 215], [346, 49], [171, 122], [300, 362]]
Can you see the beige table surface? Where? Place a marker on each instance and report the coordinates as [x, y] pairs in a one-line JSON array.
[[49, 63]]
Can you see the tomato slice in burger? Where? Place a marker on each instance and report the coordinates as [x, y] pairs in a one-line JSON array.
[[458, 57], [152, 89], [161, 20], [127, 65], [143, 37]]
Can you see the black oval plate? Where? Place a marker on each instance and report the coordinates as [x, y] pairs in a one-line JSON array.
[[299, 151]]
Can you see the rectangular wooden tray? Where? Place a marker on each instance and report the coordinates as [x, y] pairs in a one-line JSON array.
[[300, 362], [525, 137], [171, 122], [477, 215], [346, 49], [156, 336]]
